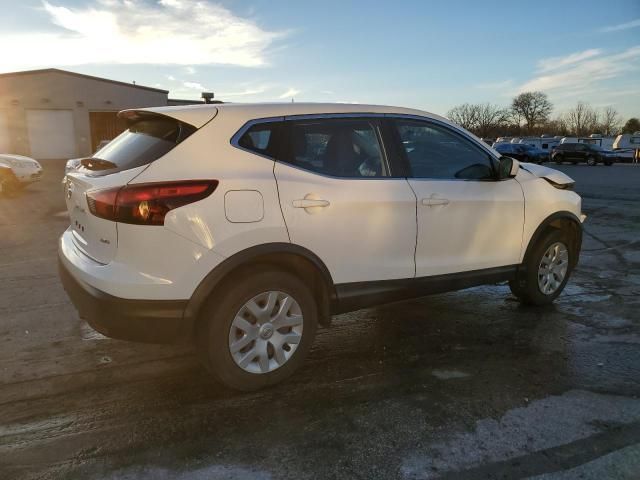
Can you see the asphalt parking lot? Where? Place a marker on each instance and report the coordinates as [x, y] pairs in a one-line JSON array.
[[462, 385]]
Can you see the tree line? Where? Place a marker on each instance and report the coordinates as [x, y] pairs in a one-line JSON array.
[[530, 114]]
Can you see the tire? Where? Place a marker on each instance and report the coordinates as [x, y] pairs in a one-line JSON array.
[[217, 329], [591, 161], [608, 164], [558, 159], [527, 286]]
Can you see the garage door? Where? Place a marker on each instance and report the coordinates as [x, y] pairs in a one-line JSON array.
[[5, 140], [51, 133]]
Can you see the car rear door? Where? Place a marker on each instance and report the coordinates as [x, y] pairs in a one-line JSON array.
[[341, 199], [467, 220]]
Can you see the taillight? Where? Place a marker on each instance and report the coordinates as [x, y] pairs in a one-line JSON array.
[[148, 203]]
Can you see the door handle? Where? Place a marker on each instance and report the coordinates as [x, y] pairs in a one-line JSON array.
[[433, 201], [310, 203]]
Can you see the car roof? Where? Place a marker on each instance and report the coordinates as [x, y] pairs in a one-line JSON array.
[[198, 115]]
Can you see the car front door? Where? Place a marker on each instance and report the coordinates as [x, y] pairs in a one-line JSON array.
[[467, 219], [341, 200]]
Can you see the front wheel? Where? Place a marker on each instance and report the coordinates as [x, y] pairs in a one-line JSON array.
[[258, 329], [591, 161], [547, 270]]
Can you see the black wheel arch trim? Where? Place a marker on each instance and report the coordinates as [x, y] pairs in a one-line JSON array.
[[245, 257], [544, 225]]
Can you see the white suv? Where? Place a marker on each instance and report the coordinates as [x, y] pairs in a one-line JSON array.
[[243, 227]]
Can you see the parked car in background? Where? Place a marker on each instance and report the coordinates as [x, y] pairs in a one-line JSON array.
[[596, 139], [18, 171], [308, 210], [582, 152], [523, 152], [74, 163], [543, 143]]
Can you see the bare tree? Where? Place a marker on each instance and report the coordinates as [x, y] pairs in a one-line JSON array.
[[533, 107], [631, 126], [465, 115], [582, 119], [489, 119], [610, 121]]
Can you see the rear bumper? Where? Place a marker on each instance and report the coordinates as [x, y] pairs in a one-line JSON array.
[[149, 321]]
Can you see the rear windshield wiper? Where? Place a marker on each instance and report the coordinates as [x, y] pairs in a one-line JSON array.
[[97, 164]]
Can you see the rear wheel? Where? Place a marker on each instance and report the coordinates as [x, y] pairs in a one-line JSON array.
[[258, 329], [558, 159], [547, 270], [591, 161]]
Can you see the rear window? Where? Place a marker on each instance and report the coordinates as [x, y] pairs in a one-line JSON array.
[[147, 139]]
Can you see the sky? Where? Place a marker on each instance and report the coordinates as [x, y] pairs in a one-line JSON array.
[[430, 55]]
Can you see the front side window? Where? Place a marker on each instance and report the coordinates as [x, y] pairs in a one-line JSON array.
[[436, 152], [337, 147]]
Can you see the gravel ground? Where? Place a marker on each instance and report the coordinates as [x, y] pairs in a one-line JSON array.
[[461, 385]]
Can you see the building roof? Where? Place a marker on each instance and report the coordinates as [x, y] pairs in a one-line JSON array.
[[81, 75]]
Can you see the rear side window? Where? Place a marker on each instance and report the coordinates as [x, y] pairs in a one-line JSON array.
[[262, 138], [338, 147], [147, 139]]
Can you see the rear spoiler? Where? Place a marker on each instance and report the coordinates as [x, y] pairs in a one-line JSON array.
[[196, 116]]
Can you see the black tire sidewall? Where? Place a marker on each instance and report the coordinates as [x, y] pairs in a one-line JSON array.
[[219, 312], [531, 291]]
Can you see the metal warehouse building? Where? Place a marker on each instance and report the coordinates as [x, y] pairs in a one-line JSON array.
[[58, 114]]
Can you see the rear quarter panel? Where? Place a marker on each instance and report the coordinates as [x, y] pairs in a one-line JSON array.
[[208, 154]]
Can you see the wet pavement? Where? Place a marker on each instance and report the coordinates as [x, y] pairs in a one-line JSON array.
[[463, 385]]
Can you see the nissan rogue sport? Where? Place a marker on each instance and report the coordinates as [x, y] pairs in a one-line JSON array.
[[241, 228]]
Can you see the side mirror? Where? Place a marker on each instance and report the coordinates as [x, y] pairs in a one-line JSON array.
[[508, 168]]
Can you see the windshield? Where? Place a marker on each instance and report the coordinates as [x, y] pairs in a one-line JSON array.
[[144, 141]]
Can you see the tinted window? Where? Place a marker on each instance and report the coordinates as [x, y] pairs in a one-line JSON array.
[[261, 138], [337, 147], [146, 140], [437, 152]]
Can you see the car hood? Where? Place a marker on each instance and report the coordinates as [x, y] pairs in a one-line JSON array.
[[541, 171]]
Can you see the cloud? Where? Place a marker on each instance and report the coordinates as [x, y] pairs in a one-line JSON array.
[[195, 86], [292, 92], [582, 74], [554, 63], [246, 92], [622, 26], [504, 84], [177, 32]]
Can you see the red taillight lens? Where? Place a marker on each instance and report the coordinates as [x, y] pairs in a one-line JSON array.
[[146, 204]]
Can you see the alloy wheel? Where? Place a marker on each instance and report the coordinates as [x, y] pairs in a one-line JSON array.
[[553, 268]]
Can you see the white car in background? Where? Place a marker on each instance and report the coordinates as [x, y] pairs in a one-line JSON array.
[[17, 171]]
